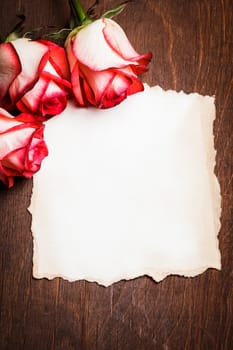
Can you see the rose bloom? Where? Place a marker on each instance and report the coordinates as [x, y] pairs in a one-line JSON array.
[[34, 77], [104, 65], [22, 147]]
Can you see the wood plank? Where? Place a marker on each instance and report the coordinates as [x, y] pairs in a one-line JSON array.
[[192, 45]]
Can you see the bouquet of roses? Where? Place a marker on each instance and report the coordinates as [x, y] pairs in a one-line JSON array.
[[97, 66]]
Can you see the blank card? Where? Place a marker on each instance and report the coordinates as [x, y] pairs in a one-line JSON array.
[[128, 191]]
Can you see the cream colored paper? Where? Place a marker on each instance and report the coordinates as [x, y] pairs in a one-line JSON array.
[[128, 191]]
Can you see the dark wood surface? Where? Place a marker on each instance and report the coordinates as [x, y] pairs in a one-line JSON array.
[[192, 45]]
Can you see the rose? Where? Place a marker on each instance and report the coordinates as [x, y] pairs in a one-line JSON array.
[[22, 147], [34, 77], [104, 65]]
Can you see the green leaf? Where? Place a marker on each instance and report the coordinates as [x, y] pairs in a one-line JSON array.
[[12, 36], [16, 31], [115, 11], [60, 35]]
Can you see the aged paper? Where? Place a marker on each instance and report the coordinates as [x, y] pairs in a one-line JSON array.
[[128, 191]]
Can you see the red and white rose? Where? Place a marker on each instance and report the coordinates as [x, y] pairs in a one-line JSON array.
[[34, 77], [22, 147], [99, 65], [104, 65]]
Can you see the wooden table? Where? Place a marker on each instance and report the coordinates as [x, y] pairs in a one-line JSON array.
[[192, 45]]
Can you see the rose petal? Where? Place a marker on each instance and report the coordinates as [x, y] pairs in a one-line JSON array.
[[70, 54], [25, 161], [46, 97], [97, 81], [31, 100], [54, 100], [6, 179], [14, 139], [76, 85], [10, 67], [36, 153], [3, 112], [118, 41], [104, 89], [110, 87], [115, 92], [89, 41], [13, 162], [58, 59], [33, 57], [135, 83], [22, 147], [63, 83], [6, 122]]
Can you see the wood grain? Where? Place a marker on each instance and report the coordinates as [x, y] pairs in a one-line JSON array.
[[192, 45]]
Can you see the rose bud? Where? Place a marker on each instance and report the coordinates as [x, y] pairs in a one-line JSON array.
[[34, 77], [104, 65], [22, 147]]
